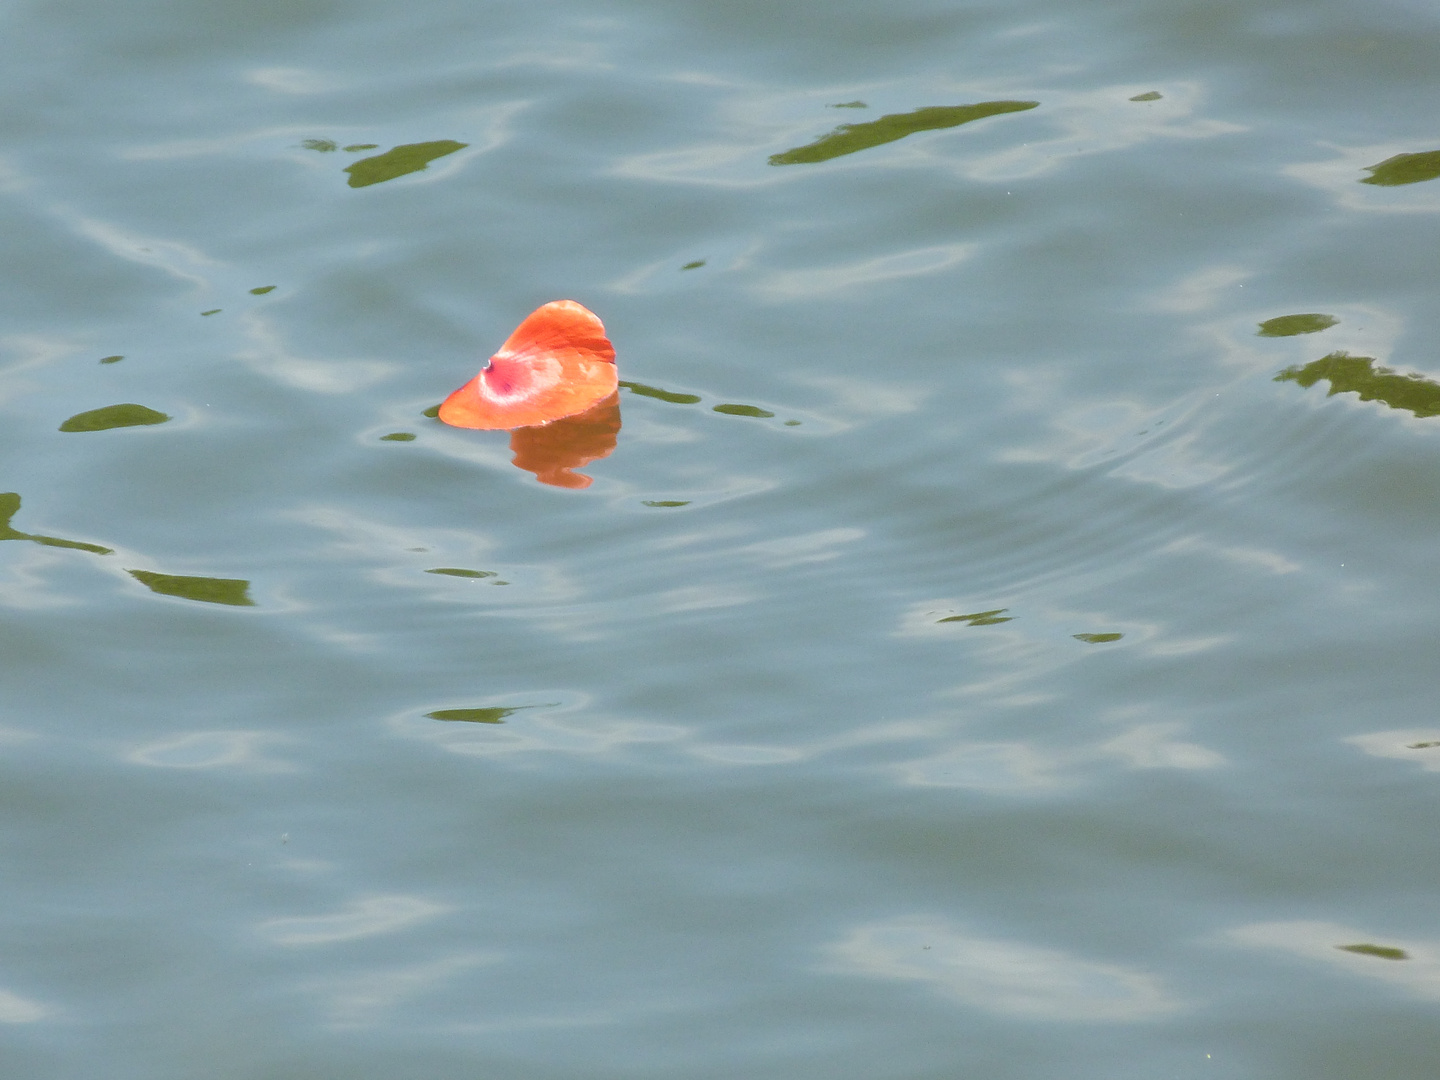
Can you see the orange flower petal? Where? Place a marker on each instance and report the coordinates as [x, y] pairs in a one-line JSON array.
[[557, 363]]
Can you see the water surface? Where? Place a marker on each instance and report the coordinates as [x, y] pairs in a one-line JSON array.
[[991, 635]]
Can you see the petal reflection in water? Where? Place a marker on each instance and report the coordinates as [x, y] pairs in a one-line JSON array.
[[997, 975], [551, 451]]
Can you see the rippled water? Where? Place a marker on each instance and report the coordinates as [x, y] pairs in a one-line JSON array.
[[997, 644]]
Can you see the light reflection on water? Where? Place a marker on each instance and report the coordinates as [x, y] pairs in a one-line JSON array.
[[1415, 970], [1005, 977], [359, 919], [15, 1009], [211, 750]]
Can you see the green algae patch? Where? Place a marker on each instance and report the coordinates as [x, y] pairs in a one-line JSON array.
[[1359, 375], [743, 410], [850, 138], [1097, 639], [980, 618], [398, 436], [262, 290], [1404, 169], [355, 148], [667, 502], [325, 146], [456, 571], [494, 715], [693, 265], [1384, 952], [1151, 95], [472, 716], [409, 158], [848, 105], [212, 311], [1290, 325], [207, 590], [10, 506], [114, 416], [661, 395], [111, 359], [433, 412]]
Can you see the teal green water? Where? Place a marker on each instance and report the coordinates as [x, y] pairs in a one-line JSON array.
[[996, 640]]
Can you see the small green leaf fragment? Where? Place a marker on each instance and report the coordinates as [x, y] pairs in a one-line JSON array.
[[10, 506], [456, 571], [980, 618], [111, 359], [849, 138], [55, 541], [1290, 325], [693, 265], [262, 290], [792, 423], [473, 716], [1360, 375], [662, 395], [1384, 952], [1404, 169], [743, 410], [493, 715], [1421, 745], [399, 161], [208, 590], [1097, 639], [1152, 95], [433, 412], [212, 311], [323, 145], [356, 147], [667, 502], [398, 436], [114, 416], [849, 105]]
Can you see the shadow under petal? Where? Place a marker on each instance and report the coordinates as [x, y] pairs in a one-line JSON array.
[[551, 451]]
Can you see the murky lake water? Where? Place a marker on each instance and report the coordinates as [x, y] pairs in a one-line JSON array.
[[999, 644]]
